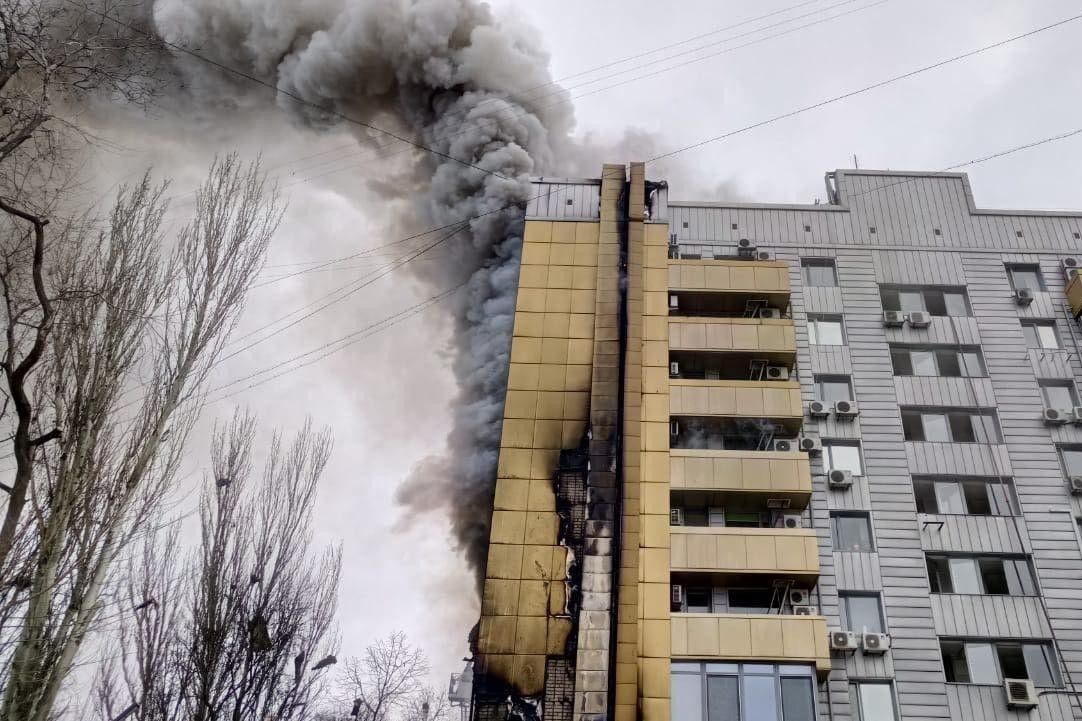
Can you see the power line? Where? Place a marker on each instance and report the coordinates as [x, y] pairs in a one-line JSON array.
[[867, 88]]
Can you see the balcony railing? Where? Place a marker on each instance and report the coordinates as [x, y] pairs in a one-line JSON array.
[[727, 552], [736, 474], [751, 637], [771, 339]]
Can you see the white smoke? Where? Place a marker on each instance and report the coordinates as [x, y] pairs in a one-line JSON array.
[[444, 73]]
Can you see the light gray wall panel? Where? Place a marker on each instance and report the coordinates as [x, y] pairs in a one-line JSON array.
[[549, 199], [989, 703], [958, 459], [822, 300], [937, 391], [900, 267], [988, 616], [857, 571], [973, 534], [942, 331]]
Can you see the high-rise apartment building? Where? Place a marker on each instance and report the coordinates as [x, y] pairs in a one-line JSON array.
[[788, 462]]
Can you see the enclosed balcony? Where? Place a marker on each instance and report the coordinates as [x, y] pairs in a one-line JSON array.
[[751, 638], [741, 478], [771, 340], [731, 282], [723, 553], [775, 400]]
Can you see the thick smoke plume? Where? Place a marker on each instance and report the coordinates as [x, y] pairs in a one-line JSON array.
[[447, 74]]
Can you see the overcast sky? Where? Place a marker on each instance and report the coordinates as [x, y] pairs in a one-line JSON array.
[[386, 398]]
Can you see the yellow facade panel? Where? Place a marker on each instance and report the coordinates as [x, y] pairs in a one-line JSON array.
[[512, 494], [564, 232], [751, 638], [500, 597], [562, 253], [768, 551]]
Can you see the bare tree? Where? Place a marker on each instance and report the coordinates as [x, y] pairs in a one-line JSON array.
[[243, 629], [385, 684], [109, 336]]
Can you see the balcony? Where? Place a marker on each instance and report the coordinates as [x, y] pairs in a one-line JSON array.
[[1074, 292], [727, 554], [778, 401], [735, 281], [737, 637], [771, 340], [742, 476]]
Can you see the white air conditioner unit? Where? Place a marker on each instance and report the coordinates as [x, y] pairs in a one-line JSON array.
[[818, 409], [1021, 693], [846, 409], [674, 369], [745, 248], [1023, 296], [674, 302], [1074, 484], [777, 373], [893, 318], [839, 478], [873, 643], [674, 428], [919, 319], [1077, 413], [811, 444], [763, 255], [676, 598], [1057, 416], [676, 516], [791, 520], [799, 597], [843, 641], [783, 444], [774, 313], [805, 610], [1070, 267]]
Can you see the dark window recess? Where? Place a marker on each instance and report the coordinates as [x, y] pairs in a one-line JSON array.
[[861, 612], [807, 229], [699, 599], [949, 362], [750, 600], [988, 662], [937, 231], [734, 226], [871, 229], [960, 496], [1018, 234], [981, 575], [851, 532], [949, 426], [937, 301]]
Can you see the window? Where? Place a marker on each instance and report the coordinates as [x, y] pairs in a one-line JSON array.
[[1059, 394], [937, 301], [874, 701], [941, 425], [1041, 335], [981, 575], [825, 330], [989, 662], [1072, 459], [700, 599], [841, 455], [742, 692], [833, 388], [963, 496], [819, 271], [851, 532], [861, 612], [949, 362], [1025, 276], [750, 600]]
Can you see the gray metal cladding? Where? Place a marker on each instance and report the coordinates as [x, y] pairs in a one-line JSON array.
[[971, 248], [564, 199]]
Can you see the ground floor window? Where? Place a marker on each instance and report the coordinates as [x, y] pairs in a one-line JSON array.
[[742, 692]]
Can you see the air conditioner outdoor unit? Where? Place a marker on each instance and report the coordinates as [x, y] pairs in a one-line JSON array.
[[677, 598], [676, 516], [893, 318], [674, 428], [839, 478], [1057, 416], [919, 319], [1023, 296], [1021, 693], [745, 248], [843, 641], [674, 302], [846, 409], [774, 313], [799, 597], [805, 610], [777, 373], [791, 520], [674, 369], [811, 444], [1077, 413], [818, 409], [874, 642], [1074, 483], [783, 444], [1070, 267], [763, 255]]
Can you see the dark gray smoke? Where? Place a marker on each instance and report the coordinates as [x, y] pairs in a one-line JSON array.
[[444, 72]]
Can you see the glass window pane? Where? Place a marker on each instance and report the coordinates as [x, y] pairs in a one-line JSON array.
[[687, 696], [1058, 395], [948, 363], [961, 428], [939, 577], [980, 659], [699, 599], [749, 600], [912, 427], [1030, 332], [924, 492], [852, 533], [862, 613], [797, 699], [832, 390], [923, 362], [722, 699], [955, 302], [1040, 665], [844, 457], [964, 575], [987, 428], [1000, 499], [890, 299], [976, 495], [1019, 577], [971, 364], [876, 702], [954, 661], [935, 427], [1011, 662], [1046, 334], [993, 576], [829, 332], [910, 300], [949, 498], [760, 697], [820, 273], [1072, 461], [760, 668], [933, 302], [1026, 277], [899, 357]]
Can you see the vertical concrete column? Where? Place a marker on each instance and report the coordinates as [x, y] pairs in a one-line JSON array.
[[595, 622], [654, 646]]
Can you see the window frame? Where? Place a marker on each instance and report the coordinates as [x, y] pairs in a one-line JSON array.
[[975, 561], [1048, 654], [835, 535], [924, 293], [1063, 448], [1036, 325], [1061, 383], [704, 670], [1033, 268], [845, 615], [829, 444], [888, 684], [818, 262], [815, 319], [962, 356], [820, 379], [950, 414], [992, 488]]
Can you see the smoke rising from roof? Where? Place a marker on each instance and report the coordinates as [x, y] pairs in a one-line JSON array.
[[445, 73]]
